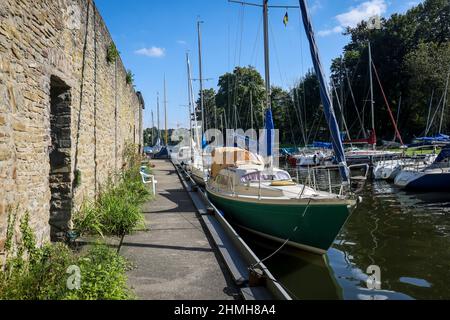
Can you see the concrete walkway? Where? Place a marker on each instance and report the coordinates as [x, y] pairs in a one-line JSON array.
[[175, 259]]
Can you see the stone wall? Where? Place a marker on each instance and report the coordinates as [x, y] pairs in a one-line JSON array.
[[60, 46]]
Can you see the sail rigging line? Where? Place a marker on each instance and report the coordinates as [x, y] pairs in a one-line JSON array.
[[398, 114], [444, 103], [302, 112], [341, 110], [435, 114], [429, 112], [399, 136], [255, 51], [241, 35], [303, 82], [239, 31], [298, 114], [291, 127], [353, 98]]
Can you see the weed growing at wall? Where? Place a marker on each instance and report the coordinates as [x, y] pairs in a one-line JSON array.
[[116, 212], [112, 53], [129, 77], [40, 273]]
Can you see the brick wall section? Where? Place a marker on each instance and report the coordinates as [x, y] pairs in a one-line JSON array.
[[40, 40]]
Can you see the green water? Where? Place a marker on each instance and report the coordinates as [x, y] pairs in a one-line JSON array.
[[406, 234]]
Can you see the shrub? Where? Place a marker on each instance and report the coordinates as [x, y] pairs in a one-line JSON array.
[[102, 276], [117, 209], [33, 273], [118, 215]]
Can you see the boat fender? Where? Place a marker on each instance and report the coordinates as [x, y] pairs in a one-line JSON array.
[[282, 183]]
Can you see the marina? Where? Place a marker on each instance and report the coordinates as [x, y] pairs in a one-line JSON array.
[[267, 153]]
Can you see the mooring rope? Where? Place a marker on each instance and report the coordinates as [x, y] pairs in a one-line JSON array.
[[285, 242]]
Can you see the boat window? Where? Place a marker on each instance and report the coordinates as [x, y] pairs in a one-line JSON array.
[[265, 176], [223, 180]]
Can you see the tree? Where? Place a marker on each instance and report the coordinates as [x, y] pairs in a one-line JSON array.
[[234, 94], [212, 112], [394, 51]]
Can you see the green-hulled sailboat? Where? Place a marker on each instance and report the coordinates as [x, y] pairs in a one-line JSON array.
[[266, 201]]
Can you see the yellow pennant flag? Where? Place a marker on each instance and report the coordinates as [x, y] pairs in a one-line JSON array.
[[286, 19]]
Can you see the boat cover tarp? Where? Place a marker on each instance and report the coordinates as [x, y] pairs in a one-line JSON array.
[[439, 138], [162, 154], [322, 145], [223, 158], [270, 142]]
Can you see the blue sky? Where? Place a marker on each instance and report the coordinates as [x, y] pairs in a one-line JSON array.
[[153, 37]]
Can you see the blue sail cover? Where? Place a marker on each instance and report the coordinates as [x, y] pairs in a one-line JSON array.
[[439, 138], [325, 94], [270, 133]]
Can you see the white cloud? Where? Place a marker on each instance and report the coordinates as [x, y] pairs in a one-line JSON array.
[[153, 52], [324, 33], [362, 12], [317, 5], [182, 42], [355, 15]]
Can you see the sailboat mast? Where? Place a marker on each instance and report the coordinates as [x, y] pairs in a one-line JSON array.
[[189, 99], [429, 113], [200, 67], [444, 102], [372, 101], [157, 114], [251, 109], [166, 137], [153, 128], [266, 52]]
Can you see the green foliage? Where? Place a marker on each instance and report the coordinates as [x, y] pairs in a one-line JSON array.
[[129, 78], [411, 55], [117, 210], [212, 112], [40, 273], [233, 97], [103, 276], [112, 53]]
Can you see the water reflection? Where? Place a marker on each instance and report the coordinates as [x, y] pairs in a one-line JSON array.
[[407, 235]]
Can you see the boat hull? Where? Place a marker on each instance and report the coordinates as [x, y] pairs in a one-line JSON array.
[[316, 228], [423, 181]]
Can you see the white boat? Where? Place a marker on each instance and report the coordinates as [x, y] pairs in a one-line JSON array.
[[310, 158], [435, 177], [389, 169]]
